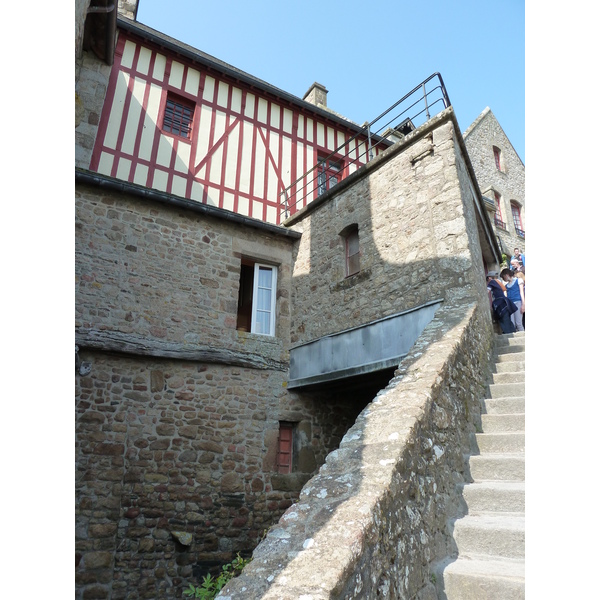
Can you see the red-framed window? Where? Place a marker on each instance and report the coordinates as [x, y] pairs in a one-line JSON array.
[[498, 216], [516, 215], [285, 447], [178, 116], [329, 172], [498, 158]]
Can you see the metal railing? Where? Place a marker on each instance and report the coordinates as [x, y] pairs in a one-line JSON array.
[[499, 222], [411, 111], [520, 232]]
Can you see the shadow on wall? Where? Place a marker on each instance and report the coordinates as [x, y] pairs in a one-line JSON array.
[[373, 519]]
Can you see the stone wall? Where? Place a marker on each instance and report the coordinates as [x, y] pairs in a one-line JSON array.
[[480, 138], [417, 231], [373, 522], [168, 446]]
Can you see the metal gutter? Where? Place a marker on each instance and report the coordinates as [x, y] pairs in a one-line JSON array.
[[83, 176]]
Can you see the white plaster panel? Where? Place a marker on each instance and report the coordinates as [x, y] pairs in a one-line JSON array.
[[212, 196], [245, 168], [128, 54], [228, 201], [165, 151], [288, 120], [320, 134], [150, 129], [250, 102], [105, 163], [330, 138], [286, 161], [116, 111], [236, 100], [309, 130], [223, 94], [208, 93], [123, 169], [160, 180], [262, 110], [160, 63], [341, 138], [178, 186], [271, 214], [257, 209], [192, 81], [133, 115], [217, 156], [176, 76], [232, 154], [182, 159], [197, 191], [143, 64], [243, 206], [259, 167], [203, 134], [275, 115], [141, 174]]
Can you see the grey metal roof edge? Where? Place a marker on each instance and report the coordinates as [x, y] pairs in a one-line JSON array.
[[161, 39], [84, 176]]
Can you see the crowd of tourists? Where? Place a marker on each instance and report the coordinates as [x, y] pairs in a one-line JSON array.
[[507, 294]]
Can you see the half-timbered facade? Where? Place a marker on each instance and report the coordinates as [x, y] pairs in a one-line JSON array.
[[186, 124]]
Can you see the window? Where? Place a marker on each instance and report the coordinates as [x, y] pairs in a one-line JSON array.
[[516, 215], [498, 158], [285, 446], [256, 300], [329, 172], [498, 216], [179, 113], [352, 252]]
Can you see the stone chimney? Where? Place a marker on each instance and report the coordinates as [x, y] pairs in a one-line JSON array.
[[317, 95], [128, 8]]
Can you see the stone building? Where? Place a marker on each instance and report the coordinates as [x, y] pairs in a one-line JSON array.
[[251, 268], [501, 176]]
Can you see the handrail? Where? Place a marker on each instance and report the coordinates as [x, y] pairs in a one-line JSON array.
[[372, 138]]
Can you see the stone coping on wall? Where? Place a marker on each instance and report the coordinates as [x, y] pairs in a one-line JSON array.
[[372, 522]]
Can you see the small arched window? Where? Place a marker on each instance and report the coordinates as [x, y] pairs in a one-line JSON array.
[[498, 159], [352, 249]]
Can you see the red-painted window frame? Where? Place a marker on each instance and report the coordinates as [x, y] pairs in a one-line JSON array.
[[285, 448], [516, 215], [179, 112], [330, 171]]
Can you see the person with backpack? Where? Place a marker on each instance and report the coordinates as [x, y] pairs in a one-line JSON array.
[[499, 302]]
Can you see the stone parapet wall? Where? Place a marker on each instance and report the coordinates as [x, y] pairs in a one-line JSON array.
[[373, 522]]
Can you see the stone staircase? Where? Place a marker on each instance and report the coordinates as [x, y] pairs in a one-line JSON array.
[[491, 536]]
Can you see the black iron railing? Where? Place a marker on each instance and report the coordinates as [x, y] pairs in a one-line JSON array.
[[520, 232], [413, 110], [499, 222]]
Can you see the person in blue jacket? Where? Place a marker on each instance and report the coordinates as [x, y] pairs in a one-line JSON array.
[[515, 291], [518, 256], [499, 302]]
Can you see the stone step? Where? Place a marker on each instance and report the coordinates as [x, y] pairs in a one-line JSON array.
[[509, 366], [497, 443], [506, 390], [501, 535], [494, 496], [503, 406], [503, 351], [477, 578], [497, 467], [510, 423], [514, 339], [508, 377]]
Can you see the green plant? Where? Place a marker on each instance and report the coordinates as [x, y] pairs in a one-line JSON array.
[[211, 586]]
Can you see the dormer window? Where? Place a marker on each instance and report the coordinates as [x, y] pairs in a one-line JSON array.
[[178, 117]]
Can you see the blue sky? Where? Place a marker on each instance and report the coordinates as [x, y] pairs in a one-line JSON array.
[[368, 55]]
